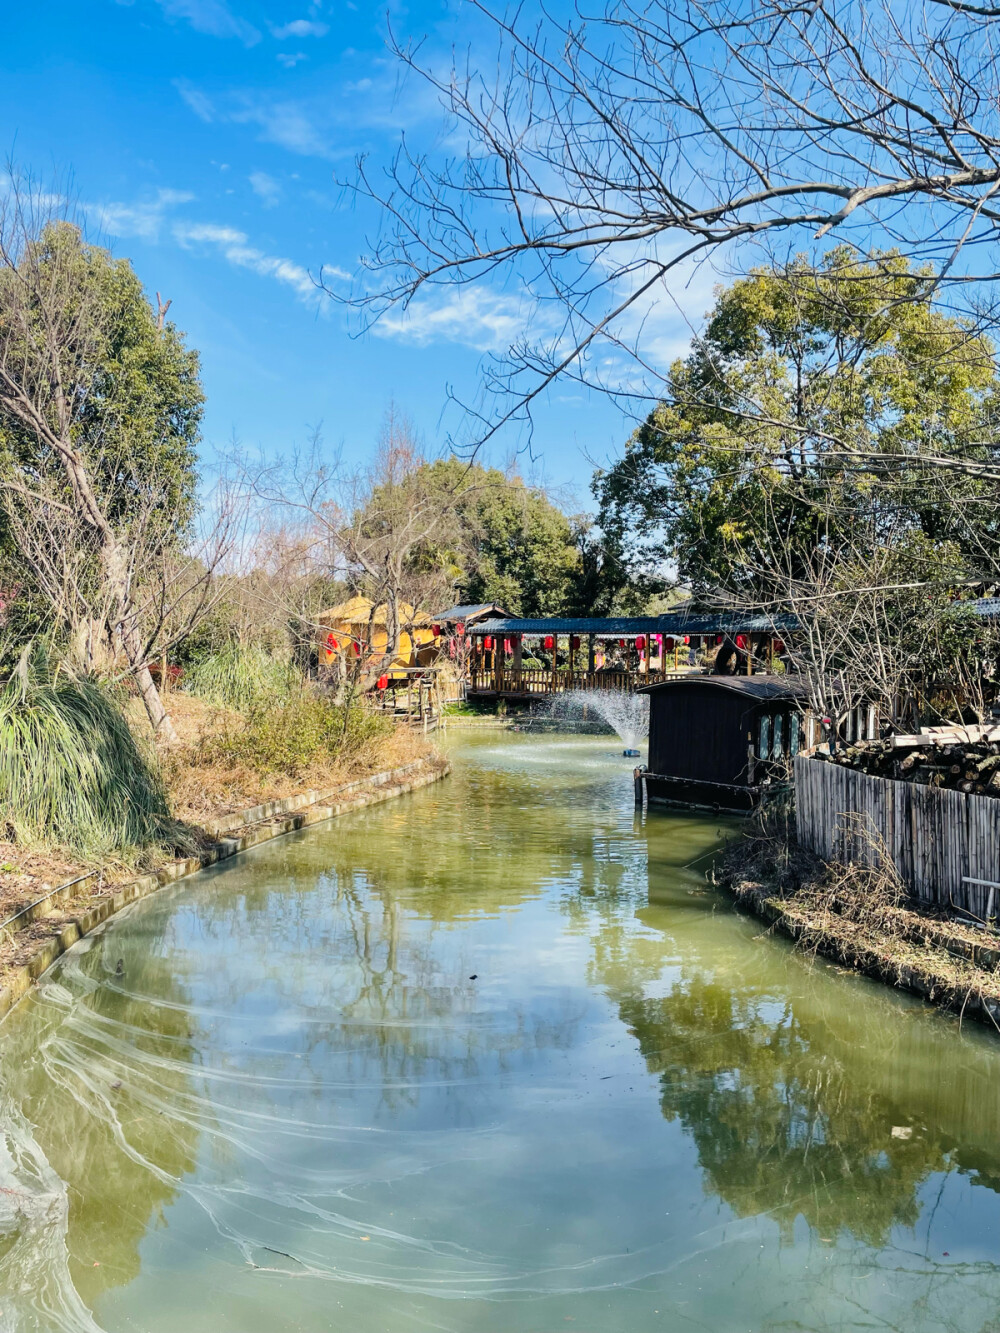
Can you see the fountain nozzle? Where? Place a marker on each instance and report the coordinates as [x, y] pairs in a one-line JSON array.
[[630, 754]]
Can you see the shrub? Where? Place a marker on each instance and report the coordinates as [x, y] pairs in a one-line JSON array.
[[240, 678], [71, 772], [306, 728]]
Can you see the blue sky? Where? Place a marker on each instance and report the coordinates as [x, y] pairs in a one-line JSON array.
[[203, 140]]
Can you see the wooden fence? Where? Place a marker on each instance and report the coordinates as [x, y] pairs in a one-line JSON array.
[[938, 840]]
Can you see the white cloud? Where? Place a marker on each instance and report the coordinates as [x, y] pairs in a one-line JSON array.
[[290, 60], [474, 316], [265, 187], [287, 124], [199, 103], [212, 17], [300, 28], [143, 219], [147, 218], [325, 125], [234, 247]]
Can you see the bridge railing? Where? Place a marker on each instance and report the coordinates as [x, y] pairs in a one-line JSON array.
[[538, 681]]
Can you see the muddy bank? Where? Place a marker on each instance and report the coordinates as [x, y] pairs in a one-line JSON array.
[[861, 918]]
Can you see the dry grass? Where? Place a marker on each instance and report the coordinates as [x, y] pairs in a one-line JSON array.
[[862, 917], [29, 873], [203, 792]]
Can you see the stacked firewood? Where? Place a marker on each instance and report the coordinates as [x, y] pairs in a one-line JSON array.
[[969, 765]]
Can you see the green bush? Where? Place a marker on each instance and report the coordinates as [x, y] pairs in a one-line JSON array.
[[306, 728], [241, 678], [71, 772]]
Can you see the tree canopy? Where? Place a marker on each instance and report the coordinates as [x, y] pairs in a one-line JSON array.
[[137, 420], [136, 397], [506, 541], [803, 417]]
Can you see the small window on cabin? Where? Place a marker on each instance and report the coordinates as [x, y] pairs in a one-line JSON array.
[[794, 734], [778, 729], [764, 745]]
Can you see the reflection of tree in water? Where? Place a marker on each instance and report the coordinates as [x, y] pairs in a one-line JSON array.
[[780, 1127], [103, 1076], [791, 1099]]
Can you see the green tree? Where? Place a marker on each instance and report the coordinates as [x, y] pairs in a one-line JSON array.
[[100, 407], [509, 543], [823, 406]]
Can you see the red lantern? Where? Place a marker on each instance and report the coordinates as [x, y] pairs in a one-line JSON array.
[[331, 642], [459, 629], [741, 641], [488, 642], [640, 642], [357, 649], [687, 638], [718, 641], [508, 647], [550, 642], [668, 645], [436, 631], [575, 642], [621, 643], [383, 682], [777, 646]]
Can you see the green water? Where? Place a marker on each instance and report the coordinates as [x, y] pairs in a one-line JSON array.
[[487, 1058]]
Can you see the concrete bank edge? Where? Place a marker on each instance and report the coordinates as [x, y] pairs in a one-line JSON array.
[[300, 812]]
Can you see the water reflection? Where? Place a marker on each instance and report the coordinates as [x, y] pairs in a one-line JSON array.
[[806, 1100], [492, 1058], [96, 1088]]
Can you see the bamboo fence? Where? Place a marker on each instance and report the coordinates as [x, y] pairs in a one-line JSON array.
[[941, 842]]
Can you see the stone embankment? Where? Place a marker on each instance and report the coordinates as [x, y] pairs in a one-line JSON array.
[[32, 939]]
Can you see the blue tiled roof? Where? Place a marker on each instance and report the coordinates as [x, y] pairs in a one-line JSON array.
[[680, 623], [465, 611]]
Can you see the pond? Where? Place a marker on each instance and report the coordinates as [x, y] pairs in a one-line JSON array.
[[489, 1057]]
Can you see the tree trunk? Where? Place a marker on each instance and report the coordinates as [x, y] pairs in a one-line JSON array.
[[125, 635]]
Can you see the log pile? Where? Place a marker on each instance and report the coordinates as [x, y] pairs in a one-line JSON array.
[[947, 760]]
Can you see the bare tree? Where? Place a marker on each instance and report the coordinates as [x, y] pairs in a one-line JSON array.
[[376, 528], [620, 148]]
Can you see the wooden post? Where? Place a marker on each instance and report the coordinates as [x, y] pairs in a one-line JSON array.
[[518, 668], [555, 655], [590, 654], [572, 661], [498, 664]]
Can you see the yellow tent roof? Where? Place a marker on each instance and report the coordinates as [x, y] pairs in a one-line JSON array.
[[358, 611], [353, 612]]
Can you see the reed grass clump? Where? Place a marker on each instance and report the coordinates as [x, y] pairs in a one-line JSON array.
[[286, 738], [241, 678], [71, 771]]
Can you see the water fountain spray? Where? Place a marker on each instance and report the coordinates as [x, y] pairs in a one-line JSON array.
[[626, 713]]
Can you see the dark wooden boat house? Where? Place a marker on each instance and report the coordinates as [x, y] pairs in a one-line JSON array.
[[717, 740]]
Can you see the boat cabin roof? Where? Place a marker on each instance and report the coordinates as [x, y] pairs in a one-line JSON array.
[[752, 687]]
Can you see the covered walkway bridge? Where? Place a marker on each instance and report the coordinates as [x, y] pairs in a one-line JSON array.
[[611, 653]]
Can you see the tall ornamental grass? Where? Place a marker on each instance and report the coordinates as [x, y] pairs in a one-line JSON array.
[[71, 772], [287, 737], [241, 678]]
